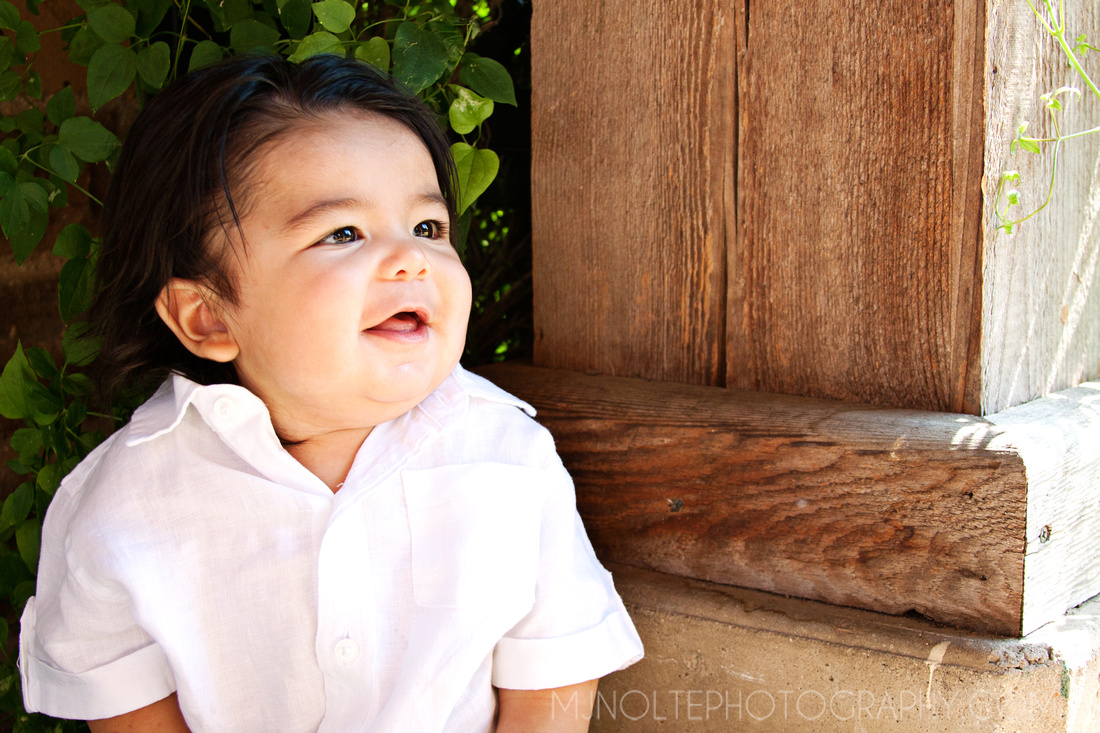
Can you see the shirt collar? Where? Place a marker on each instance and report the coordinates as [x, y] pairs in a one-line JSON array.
[[481, 388], [162, 412]]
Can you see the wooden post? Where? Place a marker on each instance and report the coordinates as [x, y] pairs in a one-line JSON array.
[[797, 198], [853, 256]]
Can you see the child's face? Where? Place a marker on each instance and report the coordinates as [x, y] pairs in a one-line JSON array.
[[352, 304]]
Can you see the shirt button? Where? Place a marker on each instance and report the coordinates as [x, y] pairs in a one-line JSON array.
[[346, 651], [225, 408]]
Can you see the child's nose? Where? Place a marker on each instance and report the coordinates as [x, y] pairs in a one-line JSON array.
[[405, 260]]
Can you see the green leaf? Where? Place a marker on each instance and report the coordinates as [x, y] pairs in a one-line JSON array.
[[59, 199], [111, 70], [28, 538], [33, 86], [4, 632], [31, 121], [87, 139], [26, 37], [75, 289], [12, 571], [488, 78], [375, 51], [1030, 145], [62, 106], [49, 478], [84, 44], [77, 384], [153, 63], [468, 110], [72, 241], [235, 11], [149, 15], [21, 394], [205, 53], [249, 34], [41, 362], [78, 347], [9, 15], [15, 214], [452, 32], [335, 15], [476, 169], [10, 85], [27, 442], [113, 23], [8, 165], [26, 239], [22, 593], [17, 506], [419, 56], [36, 196], [315, 44], [64, 164], [7, 52], [297, 16]]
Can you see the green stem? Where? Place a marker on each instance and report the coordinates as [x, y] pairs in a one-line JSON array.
[[1040, 17], [78, 188], [1072, 135], [1061, 36], [183, 35], [60, 28]]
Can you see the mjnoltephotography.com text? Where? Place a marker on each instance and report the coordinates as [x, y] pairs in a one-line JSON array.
[[898, 705]]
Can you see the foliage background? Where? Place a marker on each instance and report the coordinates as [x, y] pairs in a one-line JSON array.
[[60, 126]]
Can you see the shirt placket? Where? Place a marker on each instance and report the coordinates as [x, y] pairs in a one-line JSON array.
[[346, 618]]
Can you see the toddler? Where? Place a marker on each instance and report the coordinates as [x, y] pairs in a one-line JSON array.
[[320, 521]]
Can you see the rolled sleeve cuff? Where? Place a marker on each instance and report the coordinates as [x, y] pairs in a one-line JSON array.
[[543, 664], [134, 681]]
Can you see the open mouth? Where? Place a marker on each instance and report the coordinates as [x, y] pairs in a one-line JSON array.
[[400, 323]]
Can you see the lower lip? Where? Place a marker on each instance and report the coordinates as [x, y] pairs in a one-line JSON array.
[[413, 336]]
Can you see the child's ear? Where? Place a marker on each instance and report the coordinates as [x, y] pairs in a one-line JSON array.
[[184, 305]]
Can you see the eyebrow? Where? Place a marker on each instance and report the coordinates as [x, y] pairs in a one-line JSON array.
[[324, 206]]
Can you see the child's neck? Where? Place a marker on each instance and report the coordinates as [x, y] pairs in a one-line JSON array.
[[329, 456]]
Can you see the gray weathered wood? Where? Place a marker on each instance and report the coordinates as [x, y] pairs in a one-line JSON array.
[[1058, 438], [1041, 284], [891, 510]]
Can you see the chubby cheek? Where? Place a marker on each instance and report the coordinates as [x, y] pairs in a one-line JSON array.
[[458, 292]]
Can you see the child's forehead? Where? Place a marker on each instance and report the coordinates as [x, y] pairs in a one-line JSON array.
[[312, 147], [322, 134]]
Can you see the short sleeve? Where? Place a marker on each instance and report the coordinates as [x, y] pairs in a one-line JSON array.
[[82, 655], [578, 629]]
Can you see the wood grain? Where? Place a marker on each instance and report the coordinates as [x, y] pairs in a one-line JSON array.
[[859, 159], [884, 509], [633, 144], [1042, 283]]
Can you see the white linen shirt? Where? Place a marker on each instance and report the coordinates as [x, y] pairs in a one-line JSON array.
[[191, 553]]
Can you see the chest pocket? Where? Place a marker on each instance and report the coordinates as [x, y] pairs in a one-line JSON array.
[[475, 534]]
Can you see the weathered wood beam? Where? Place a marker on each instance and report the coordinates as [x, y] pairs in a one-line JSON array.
[[878, 508]]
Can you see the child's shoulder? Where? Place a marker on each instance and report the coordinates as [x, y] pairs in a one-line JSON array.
[[114, 473], [493, 422]]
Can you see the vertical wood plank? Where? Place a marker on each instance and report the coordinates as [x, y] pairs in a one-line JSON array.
[[1042, 283], [633, 144], [857, 241]]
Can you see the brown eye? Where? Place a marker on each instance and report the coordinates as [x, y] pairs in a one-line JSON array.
[[428, 229], [343, 235]]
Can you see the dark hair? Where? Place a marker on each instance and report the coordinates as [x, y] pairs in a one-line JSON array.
[[171, 189]]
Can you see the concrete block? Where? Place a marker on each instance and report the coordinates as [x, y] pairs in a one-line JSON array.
[[720, 658]]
